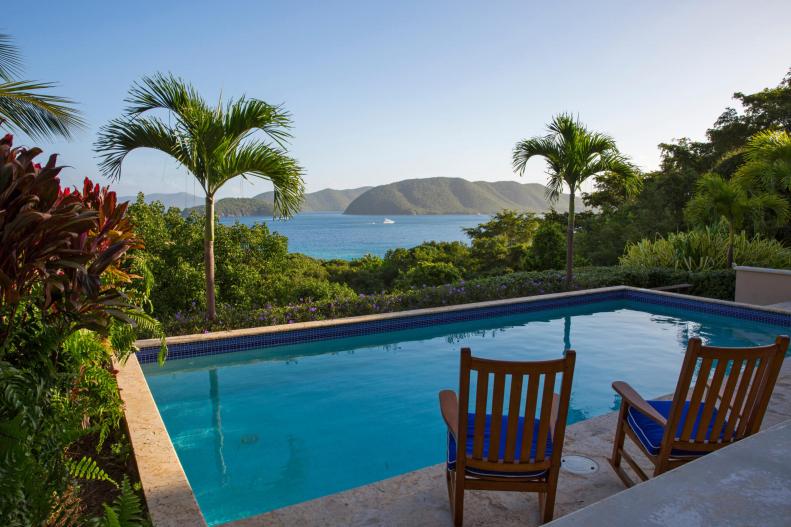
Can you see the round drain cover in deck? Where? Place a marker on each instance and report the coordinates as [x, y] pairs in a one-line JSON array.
[[579, 464]]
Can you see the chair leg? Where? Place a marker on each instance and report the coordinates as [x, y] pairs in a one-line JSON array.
[[457, 504], [617, 443], [546, 502], [618, 449]]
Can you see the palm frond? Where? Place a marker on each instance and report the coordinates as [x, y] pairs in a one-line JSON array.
[[243, 116], [121, 136], [10, 61], [24, 107], [262, 161], [160, 91]]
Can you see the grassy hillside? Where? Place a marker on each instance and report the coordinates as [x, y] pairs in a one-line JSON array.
[[176, 199], [328, 199], [262, 205], [454, 196]]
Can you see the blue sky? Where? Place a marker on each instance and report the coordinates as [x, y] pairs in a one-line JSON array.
[[383, 91]]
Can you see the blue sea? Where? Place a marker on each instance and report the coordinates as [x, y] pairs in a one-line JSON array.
[[335, 235]]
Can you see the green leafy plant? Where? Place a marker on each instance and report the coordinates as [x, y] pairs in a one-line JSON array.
[[702, 250], [125, 511], [86, 468]]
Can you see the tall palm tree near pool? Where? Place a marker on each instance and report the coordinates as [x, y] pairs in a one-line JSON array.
[[573, 155], [244, 137], [25, 106], [717, 199]]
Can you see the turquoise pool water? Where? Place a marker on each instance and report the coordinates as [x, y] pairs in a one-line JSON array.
[[262, 429]]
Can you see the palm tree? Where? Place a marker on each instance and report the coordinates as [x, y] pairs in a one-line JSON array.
[[717, 199], [24, 107], [767, 161], [216, 144], [573, 155]]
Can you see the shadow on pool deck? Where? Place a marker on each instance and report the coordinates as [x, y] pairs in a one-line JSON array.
[[420, 498]]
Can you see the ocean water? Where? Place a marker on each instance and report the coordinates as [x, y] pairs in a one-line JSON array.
[[336, 235], [261, 429]]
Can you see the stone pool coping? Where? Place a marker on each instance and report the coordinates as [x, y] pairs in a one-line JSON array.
[[168, 494], [169, 497]]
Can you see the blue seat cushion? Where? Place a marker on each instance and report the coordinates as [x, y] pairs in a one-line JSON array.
[[501, 451], [650, 433]]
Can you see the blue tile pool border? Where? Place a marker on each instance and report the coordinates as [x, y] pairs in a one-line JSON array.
[[351, 329]]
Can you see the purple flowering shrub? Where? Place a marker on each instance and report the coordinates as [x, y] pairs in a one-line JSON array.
[[717, 284]]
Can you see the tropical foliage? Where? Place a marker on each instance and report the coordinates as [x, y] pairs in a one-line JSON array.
[[574, 155], [215, 143], [702, 250], [26, 106], [718, 199], [68, 308]]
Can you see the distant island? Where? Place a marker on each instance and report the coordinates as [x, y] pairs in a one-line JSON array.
[[435, 196], [443, 195], [327, 200], [182, 200]]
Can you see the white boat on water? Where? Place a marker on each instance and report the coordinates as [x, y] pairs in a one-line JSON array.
[[388, 221]]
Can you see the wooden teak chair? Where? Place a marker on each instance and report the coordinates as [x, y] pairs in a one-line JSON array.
[[725, 403], [516, 447]]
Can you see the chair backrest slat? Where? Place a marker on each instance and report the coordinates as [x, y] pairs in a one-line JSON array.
[[729, 396], [530, 418], [697, 397], [504, 428], [514, 405], [481, 396], [710, 401], [718, 428], [752, 397], [496, 425], [737, 404], [546, 409]]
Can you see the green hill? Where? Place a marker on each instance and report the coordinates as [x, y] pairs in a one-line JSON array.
[[176, 199], [443, 195], [327, 200]]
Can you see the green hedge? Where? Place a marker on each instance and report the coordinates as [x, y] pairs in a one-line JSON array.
[[714, 284]]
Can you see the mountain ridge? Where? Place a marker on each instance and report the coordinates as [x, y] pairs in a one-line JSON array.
[[444, 195]]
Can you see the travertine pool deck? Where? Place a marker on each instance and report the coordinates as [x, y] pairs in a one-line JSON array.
[[420, 499]]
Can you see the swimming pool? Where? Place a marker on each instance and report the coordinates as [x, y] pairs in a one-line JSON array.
[[266, 421]]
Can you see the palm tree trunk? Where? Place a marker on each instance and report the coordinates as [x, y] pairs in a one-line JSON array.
[[570, 241], [730, 245], [208, 258]]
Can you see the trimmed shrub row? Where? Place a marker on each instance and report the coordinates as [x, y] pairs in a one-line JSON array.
[[713, 284]]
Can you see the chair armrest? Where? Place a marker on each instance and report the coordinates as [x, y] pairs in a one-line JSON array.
[[449, 406], [633, 399]]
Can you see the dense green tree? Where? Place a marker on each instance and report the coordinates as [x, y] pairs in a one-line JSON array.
[[25, 105], [718, 199], [573, 154], [501, 244], [216, 144], [426, 274], [548, 248]]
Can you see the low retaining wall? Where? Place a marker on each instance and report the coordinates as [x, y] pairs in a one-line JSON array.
[[761, 286]]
